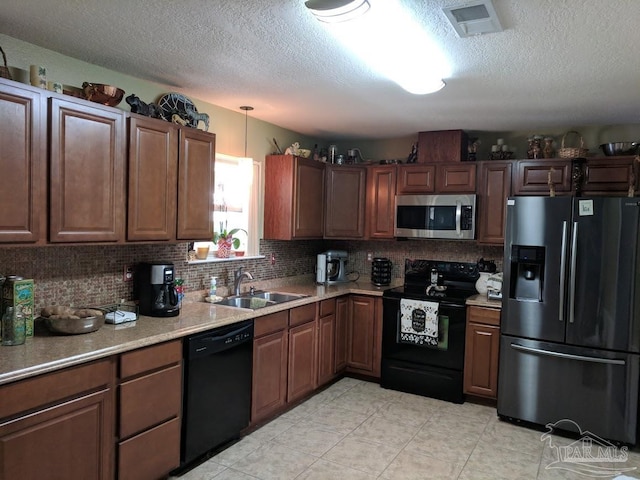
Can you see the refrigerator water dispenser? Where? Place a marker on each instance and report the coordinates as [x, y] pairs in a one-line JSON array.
[[527, 262]]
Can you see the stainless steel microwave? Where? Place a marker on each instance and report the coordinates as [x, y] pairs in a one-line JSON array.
[[449, 216]]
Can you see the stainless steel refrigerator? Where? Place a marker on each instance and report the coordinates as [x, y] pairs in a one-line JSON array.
[[570, 330]]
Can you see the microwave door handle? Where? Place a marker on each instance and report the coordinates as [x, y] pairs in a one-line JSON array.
[[458, 217]]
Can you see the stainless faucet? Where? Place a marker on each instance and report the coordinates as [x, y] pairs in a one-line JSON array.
[[238, 276]]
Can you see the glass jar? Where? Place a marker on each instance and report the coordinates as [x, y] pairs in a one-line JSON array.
[[13, 327]]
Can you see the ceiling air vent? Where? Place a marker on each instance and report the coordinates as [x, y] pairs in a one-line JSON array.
[[473, 18]]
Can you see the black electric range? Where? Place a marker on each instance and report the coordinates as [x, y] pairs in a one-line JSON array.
[[431, 367]]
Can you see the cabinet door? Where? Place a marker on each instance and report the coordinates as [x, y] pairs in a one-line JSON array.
[[153, 179], [71, 440], [456, 178], [87, 190], [345, 202], [302, 361], [308, 205], [326, 344], [416, 179], [269, 385], [361, 332], [196, 184], [610, 175], [482, 352], [342, 316], [23, 191], [493, 190], [532, 176], [381, 195]]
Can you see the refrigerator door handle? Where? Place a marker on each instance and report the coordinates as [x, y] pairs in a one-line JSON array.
[[458, 217], [563, 270], [572, 272], [568, 356]]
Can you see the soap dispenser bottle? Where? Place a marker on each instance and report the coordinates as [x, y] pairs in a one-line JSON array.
[[213, 287]]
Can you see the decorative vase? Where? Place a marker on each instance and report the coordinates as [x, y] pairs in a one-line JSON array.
[[481, 283], [224, 248]]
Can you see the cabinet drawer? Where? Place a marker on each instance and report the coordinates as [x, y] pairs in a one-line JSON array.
[[488, 316], [52, 387], [152, 454], [327, 307], [300, 315], [149, 400], [150, 358], [270, 323]]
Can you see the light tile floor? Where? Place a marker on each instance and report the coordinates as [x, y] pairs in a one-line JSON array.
[[356, 430]]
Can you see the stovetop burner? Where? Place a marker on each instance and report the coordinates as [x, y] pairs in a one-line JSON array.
[[455, 281]]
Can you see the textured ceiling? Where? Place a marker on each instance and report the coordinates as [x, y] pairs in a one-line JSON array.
[[557, 62]]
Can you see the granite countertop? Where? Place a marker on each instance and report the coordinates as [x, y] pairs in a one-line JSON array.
[[481, 300], [46, 352]]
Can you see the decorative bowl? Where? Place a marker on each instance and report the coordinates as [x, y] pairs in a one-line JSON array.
[[104, 94], [304, 153], [619, 148], [74, 326]]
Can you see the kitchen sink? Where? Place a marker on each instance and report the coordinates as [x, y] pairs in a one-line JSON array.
[[259, 299]]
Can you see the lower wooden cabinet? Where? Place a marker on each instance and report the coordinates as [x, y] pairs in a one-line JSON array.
[[270, 359], [364, 333], [150, 398], [342, 315], [59, 424], [301, 378], [482, 352], [326, 367]]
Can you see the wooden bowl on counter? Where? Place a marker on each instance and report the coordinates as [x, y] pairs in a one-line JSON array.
[[70, 321]]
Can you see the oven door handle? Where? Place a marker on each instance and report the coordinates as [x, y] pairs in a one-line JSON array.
[[458, 217]]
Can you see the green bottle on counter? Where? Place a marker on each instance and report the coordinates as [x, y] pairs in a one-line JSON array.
[[13, 327]]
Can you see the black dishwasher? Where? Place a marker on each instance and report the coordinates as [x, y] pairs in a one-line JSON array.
[[217, 388]]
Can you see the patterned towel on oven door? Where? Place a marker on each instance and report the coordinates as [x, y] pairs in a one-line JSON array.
[[418, 322]]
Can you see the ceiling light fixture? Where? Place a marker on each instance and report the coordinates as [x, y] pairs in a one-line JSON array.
[[335, 11], [246, 109], [391, 42]]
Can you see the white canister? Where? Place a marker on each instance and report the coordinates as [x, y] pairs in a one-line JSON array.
[[481, 283], [38, 76]]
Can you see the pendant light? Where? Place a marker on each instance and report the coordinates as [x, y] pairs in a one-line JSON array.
[[246, 109]]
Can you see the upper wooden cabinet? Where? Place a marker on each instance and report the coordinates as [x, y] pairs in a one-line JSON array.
[[293, 198], [534, 177], [381, 193], [87, 172], [457, 178], [609, 176], [416, 179], [494, 186], [442, 146], [196, 176], [153, 179], [442, 178], [345, 201], [23, 162]]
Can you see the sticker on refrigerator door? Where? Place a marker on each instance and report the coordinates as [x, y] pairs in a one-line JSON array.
[[585, 207], [511, 201]]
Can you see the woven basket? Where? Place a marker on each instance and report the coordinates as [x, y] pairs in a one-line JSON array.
[[4, 71], [572, 152]]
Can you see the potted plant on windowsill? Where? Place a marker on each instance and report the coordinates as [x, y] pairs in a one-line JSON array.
[[226, 240]]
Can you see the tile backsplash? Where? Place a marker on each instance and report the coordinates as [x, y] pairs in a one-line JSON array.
[[93, 274]]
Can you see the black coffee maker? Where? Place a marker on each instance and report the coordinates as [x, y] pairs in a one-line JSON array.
[[155, 291]]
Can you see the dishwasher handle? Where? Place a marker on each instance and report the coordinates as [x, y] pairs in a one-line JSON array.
[[219, 340]]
